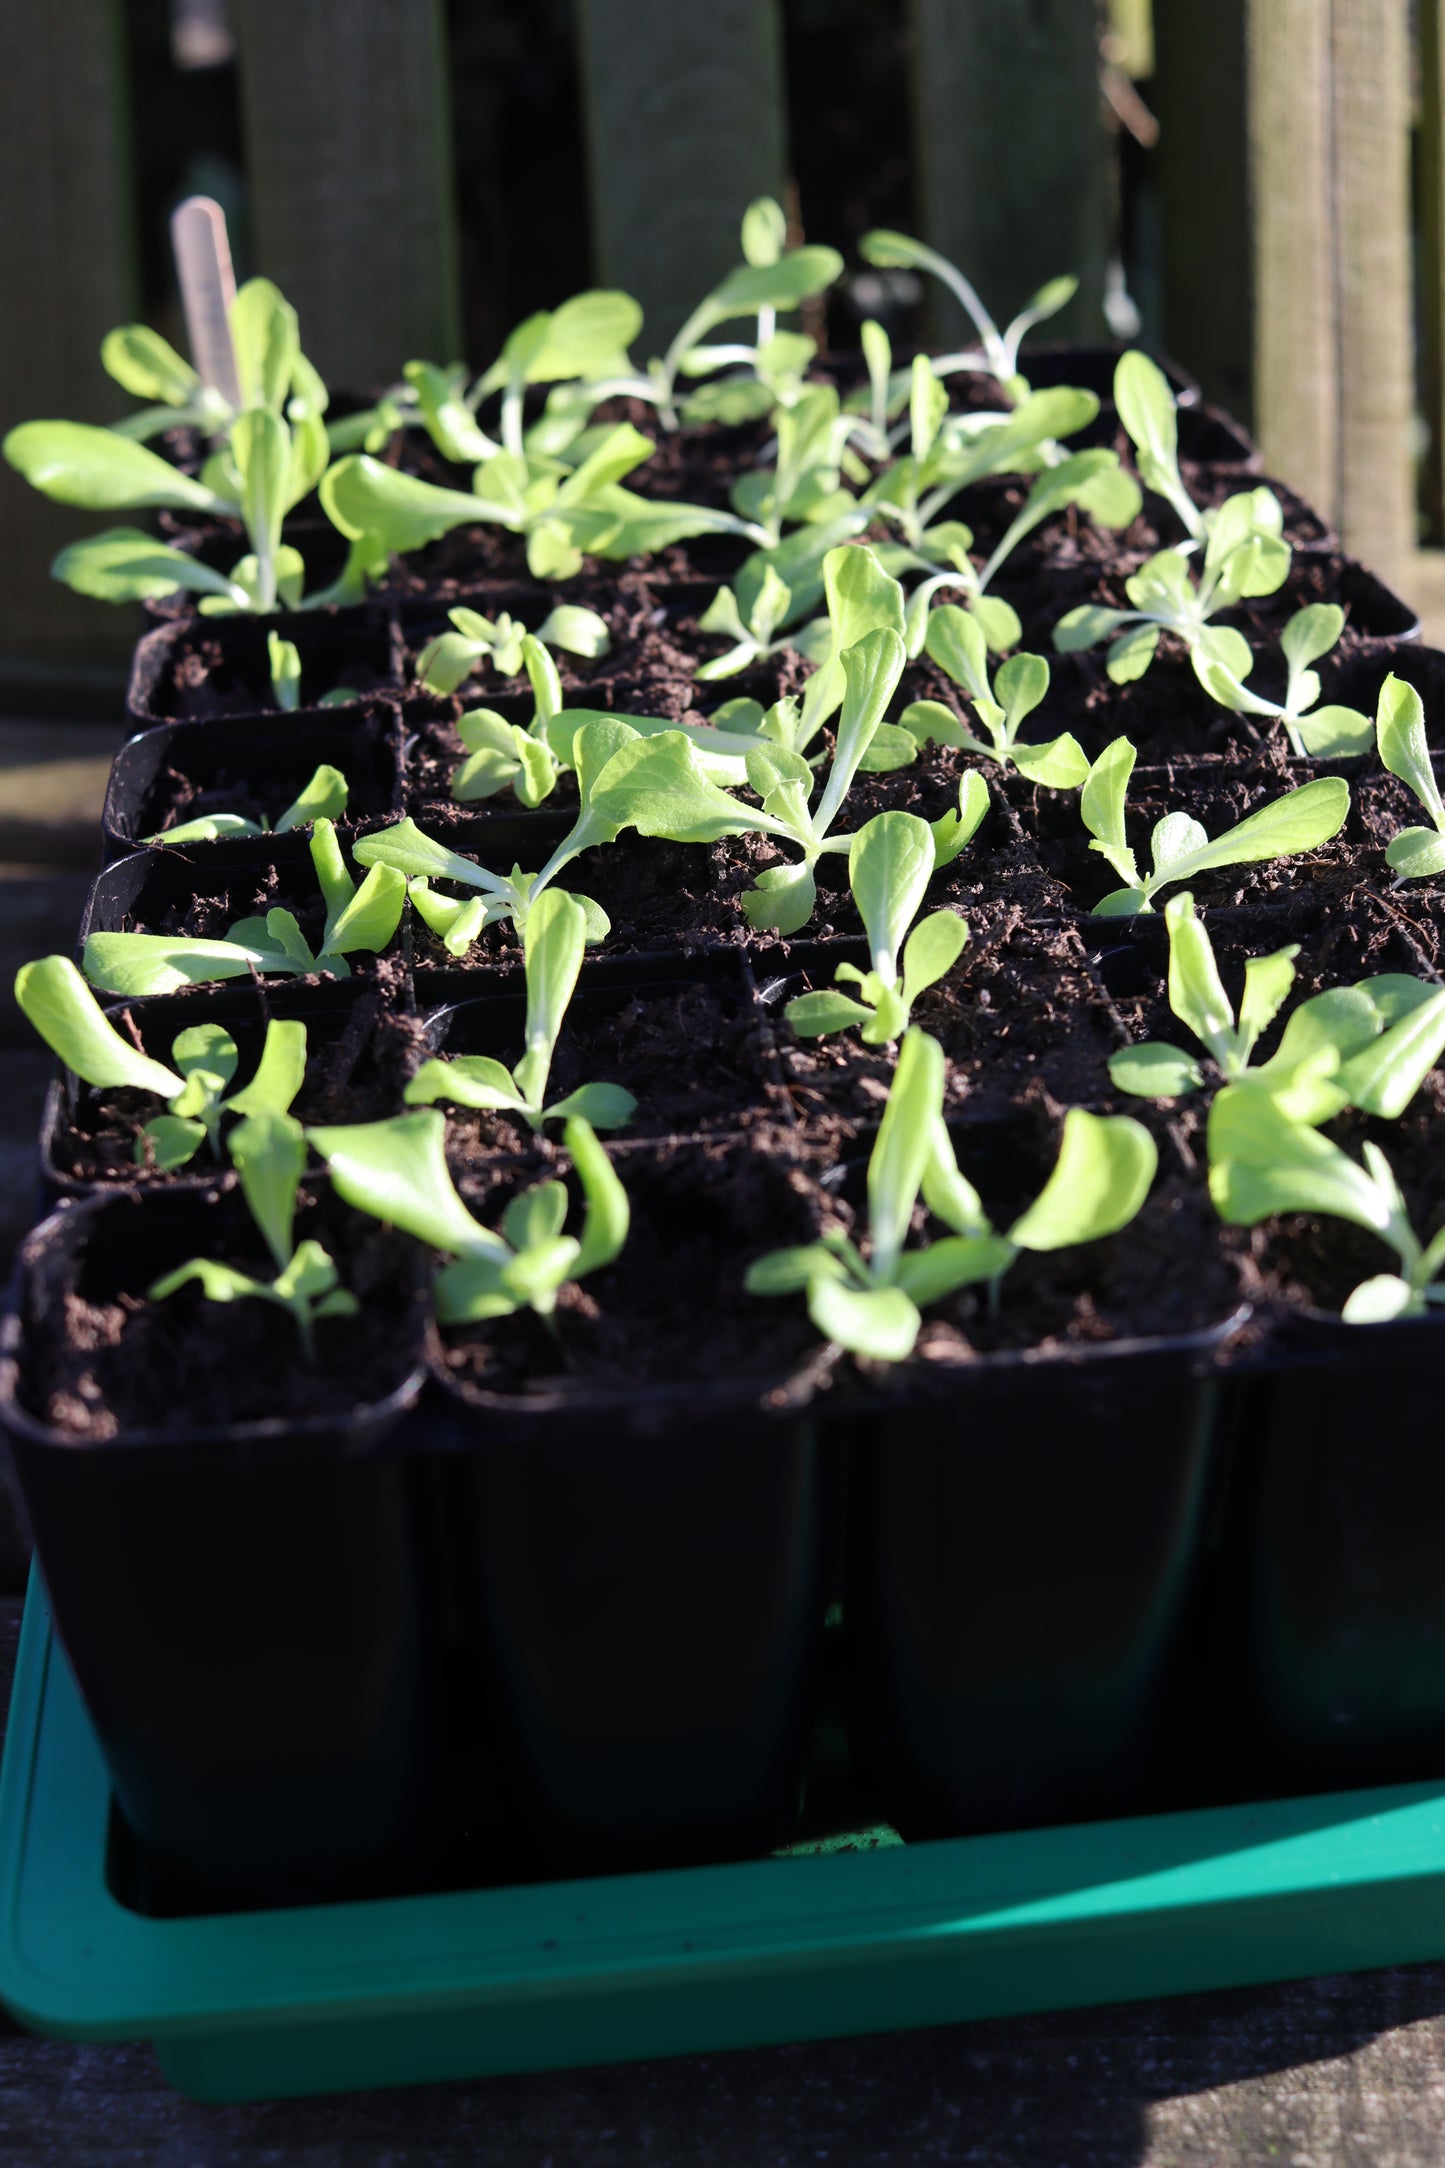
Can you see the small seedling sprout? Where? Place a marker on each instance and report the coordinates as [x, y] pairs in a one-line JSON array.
[[1244, 557], [553, 942], [1298, 820], [1415, 854], [60, 1006], [446, 662], [269, 1154], [1222, 661], [955, 641], [1262, 1164], [890, 863], [322, 798], [358, 919], [397, 1172], [871, 1304], [998, 350], [1369, 1046]]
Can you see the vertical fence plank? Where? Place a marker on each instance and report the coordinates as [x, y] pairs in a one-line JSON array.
[[684, 116], [348, 147], [1198, 94], [66, 271], [1011, 153], [1371, 56], [1432, 255], [1296, 336]]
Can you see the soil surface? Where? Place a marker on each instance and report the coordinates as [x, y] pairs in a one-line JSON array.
[[104, 1360], [673, 1308]]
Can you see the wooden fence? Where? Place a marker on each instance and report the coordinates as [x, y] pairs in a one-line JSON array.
[[1295, 260]]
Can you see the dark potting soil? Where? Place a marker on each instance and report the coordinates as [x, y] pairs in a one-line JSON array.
[[357, 1065], [106, 1360], [696, 1059], [239, 787], [204, 683], [673, 1309], [1019, 1018]]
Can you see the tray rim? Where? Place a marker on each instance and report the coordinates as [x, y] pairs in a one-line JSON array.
[[1213, 1896]]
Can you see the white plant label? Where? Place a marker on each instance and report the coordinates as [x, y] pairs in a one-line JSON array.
[[208, 288]]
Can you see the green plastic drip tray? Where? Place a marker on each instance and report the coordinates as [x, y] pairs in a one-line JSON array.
[[260, 2004]]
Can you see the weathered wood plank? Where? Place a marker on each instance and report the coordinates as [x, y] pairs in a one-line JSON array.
[[1296, 326], [683, 108], [1371, 74], [1198, 93], [1011, 154], [1430, 243], [348, 146], [67, 274]]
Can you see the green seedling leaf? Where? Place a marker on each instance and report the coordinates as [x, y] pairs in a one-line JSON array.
[[285, 662], [901, 1154], [269, 1153], [396, 1170], [167, 1142], [1404, 749], [61, 1007], [881, 1323], [280, 1072], [148, 366], [126, 565], [73, 463], [1155, 1070], [323, 798], [1103, 1173]]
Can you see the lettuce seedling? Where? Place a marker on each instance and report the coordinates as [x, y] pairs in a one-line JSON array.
[[891, 861], [322, 798], [562, 514], [805, 483], [1370, 1045], [956, 642], [771, 279], [1261, 1164], [1222, 661], [274, 453], [269, 1154], [587, 335], [657, 783], [871, 1305], [783, 897], [397, 1171], [57, 1002], [1150, 414], [552, 946], [1298, 820], [1415, 853], [271, 370], [757, 637], [999, 350], [474, 641], [1244, 556], [1092, 479], [357, 919], [515, 756]]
